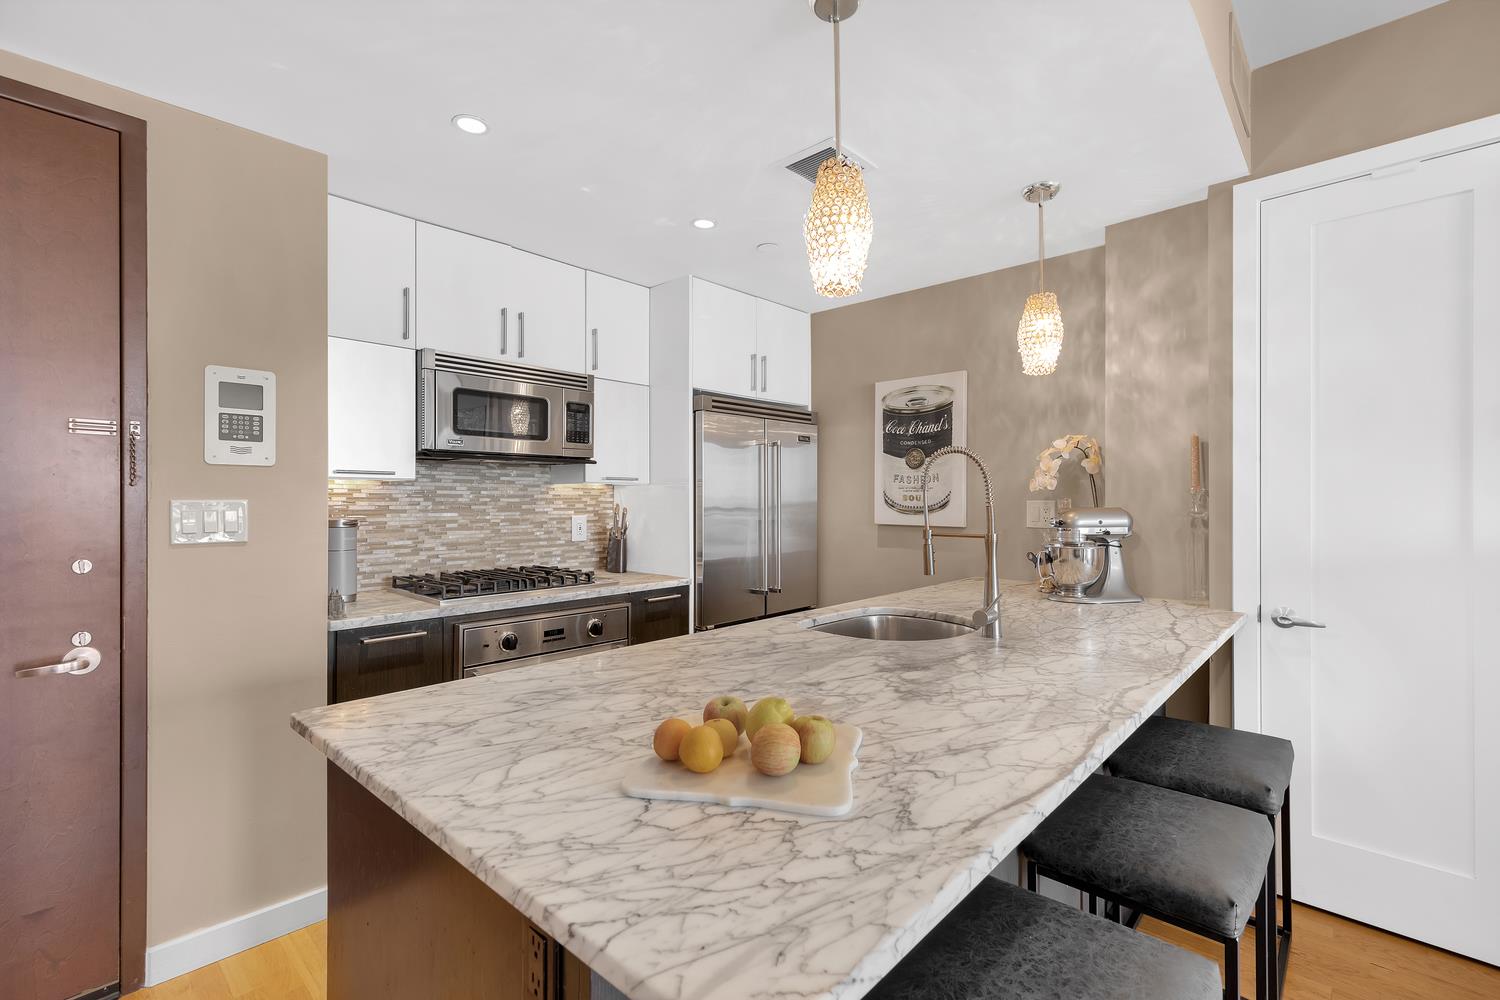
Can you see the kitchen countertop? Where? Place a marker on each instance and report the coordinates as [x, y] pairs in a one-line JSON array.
[[385, 607], [968, 744]]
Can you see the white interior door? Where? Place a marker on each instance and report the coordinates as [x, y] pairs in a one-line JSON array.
[[1380, 488]]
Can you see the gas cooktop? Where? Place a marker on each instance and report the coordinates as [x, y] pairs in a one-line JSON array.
[[441, 588]]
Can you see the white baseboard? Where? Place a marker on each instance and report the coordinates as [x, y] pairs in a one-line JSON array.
[[171, 959]]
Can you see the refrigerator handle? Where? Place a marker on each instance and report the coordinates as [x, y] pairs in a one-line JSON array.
[[760, 458], [776, 509]]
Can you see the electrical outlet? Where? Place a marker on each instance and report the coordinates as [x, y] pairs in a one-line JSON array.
[[580, 527], [1040, 513]]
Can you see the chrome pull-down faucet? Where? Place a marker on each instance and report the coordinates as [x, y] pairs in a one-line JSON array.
[[987, 618]]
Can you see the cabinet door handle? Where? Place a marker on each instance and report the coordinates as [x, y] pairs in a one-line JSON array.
[[376, 640], [595, 334], [664, 597], [752, 372], [521, 334], [504, 329], [622, 479], [364, 472], [406, 313], [763, 373]]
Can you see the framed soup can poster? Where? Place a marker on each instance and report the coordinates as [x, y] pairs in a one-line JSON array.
[[914, 417]]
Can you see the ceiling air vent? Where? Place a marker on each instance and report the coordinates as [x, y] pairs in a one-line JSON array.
[[805, 163]]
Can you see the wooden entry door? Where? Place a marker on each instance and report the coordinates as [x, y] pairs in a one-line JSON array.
[[65, 290], [1380, 425]]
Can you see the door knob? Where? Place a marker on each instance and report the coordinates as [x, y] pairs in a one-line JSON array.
[[1285, 618], [83, 660]]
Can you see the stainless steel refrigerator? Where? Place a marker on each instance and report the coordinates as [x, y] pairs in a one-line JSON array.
[[755, 530]]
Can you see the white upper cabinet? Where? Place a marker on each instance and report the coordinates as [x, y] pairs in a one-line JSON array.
[[725, 358], [784, 338], [546, 301], [745, 346], [371, 411], [617, 344], [622, 430], [371, 274], [462, 307]]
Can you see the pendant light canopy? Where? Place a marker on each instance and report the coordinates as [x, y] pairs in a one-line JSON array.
[[1039, 338], [838, 226]]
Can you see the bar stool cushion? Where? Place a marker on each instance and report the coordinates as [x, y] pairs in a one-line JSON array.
[[1249, 770], [1189, 858], [1005, 942]]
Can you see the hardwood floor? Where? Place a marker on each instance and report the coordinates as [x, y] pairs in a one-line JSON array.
[[1332, 959]]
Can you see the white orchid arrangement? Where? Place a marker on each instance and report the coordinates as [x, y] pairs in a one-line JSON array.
[[1050, 460]]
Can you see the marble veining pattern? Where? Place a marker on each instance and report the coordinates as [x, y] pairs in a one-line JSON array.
[[386, 606], [968, 744]]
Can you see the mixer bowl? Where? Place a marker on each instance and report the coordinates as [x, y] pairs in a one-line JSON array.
[[1075, 567]]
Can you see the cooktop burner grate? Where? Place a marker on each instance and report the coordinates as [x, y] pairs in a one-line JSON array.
[[490, 582]]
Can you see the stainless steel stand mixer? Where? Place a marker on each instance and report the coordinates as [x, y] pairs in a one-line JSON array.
[[1082, 562]]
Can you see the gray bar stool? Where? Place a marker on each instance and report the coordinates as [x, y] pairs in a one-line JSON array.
[[1003, 943], [1249, 770], [1192, 862]]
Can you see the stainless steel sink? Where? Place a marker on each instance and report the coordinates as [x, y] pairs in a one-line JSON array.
[[899, 628]]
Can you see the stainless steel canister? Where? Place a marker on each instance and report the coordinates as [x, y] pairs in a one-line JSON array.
[[343, 557], [916, 421]]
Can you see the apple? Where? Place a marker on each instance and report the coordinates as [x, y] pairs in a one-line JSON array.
[[702, 749], [668, 739], [727, 707], [816, 734], [766, 711], [727, 733], [775, 749]]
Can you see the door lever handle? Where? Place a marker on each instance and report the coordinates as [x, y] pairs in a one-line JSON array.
[[1284, 618], [82, 660]]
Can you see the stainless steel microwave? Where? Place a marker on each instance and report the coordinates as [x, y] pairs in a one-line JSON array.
[[475, 406]]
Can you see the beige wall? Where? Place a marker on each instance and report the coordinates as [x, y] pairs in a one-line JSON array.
[[236, 637], [968, 324]]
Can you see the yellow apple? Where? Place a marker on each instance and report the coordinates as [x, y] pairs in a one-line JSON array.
[[817, 736], [702, 749], [727, 733], [668, 739], [766, 711], [775, 749], [727, 707]]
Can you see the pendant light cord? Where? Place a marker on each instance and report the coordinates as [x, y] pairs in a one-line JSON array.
[[1041, 248], [838, 125]]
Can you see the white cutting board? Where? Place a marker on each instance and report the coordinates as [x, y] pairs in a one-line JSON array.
[[825, 789]]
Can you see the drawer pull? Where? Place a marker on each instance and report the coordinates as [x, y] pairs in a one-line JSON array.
[[664, 597], [376, 640]]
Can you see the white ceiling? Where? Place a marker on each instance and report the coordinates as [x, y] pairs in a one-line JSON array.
[[1275, 29], [614, 124]]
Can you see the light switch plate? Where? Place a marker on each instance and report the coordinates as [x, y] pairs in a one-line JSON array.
[[198, 522], [580, 527], [1040, 513]]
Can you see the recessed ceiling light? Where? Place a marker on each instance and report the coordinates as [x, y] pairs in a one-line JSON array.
[[471, 124], [703, 223]]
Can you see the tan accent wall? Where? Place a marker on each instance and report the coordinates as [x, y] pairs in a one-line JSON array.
[[1435, 68], [968, 324], [236, 230]]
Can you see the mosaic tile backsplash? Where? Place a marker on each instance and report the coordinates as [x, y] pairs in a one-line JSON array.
[[470, 515]]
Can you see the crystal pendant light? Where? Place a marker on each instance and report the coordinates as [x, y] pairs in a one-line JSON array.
[[1039, 338], [838, 226]]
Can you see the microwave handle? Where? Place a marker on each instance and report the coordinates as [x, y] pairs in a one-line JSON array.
[[504, 329]]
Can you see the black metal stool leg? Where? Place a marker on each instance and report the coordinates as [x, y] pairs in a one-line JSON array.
[[1261, 965], [1231, 970], [1284, 951]]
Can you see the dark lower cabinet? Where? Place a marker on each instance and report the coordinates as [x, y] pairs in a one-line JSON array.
[[658, 614], [385, 658]]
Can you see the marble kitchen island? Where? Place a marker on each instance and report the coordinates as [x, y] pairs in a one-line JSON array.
[[515, 777]]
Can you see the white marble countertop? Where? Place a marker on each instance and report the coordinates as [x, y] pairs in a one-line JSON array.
[[384, 607], [968, 744]]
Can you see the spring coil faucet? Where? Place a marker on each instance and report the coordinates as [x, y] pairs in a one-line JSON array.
[[987, 618]]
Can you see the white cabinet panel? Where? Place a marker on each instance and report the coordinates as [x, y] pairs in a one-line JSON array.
[[617, 344], [371, 274], [371, 411], [725, 358], [462, 305], [622, 430], [783, 337], [546, 299]]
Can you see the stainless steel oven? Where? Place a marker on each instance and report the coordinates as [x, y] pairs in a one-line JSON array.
[[475, 406], [489, 645]]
